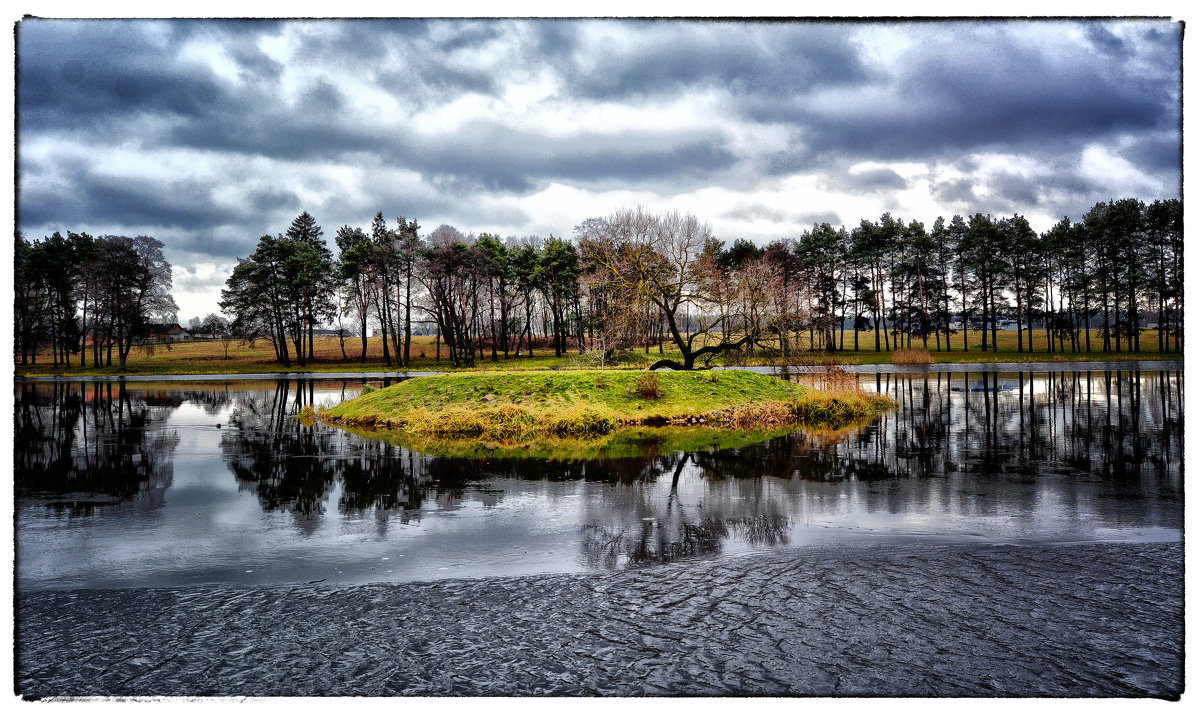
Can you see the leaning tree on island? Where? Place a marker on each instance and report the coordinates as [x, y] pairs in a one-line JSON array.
[[661, 260]]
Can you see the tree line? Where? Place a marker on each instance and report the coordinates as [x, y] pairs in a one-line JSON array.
[[478, 293], [636, 279], [80, 295]]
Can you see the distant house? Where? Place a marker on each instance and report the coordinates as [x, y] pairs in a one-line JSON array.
[[167, 332], [89, 339]]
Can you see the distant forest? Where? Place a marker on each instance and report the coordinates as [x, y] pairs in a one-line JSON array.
[[636, 279]]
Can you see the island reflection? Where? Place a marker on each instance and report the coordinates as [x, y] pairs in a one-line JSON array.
[[982, 455]]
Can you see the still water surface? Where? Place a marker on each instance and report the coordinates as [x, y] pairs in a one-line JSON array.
[[157, 484]]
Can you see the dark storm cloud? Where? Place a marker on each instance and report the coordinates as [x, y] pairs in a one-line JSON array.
[[424, 86], [870, 180], [98, 199], [1056, 190], [1104, 40], [1157, 152], [990, 89], [323, 98], [819, 217], [751, 212], [1015, 190], [501, 159], [955, 190], [264, 202], [552, 41], [481, 156], [89, 200], [101, 71], [757, 212], [223, 243], [745, 58]]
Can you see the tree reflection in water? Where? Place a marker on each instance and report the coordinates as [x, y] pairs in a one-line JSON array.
[[79, 447], [984, 444], [1100, 448], [294, 467]]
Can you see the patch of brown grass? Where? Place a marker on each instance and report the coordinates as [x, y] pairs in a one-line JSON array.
[[911, 356], [770, 413]]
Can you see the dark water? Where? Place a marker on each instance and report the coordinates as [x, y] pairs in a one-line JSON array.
[[145, 483]]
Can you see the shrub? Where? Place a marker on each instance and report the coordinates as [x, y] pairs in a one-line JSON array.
[[771, 412], [366, 389], [837, 408], [647, 386], [308, 415]]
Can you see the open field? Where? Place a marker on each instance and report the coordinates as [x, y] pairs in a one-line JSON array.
[[208, 357]]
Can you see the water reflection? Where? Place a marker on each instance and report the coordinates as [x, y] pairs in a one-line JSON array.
[[218, 482], [293, 467], [633, 527], [82, 446]]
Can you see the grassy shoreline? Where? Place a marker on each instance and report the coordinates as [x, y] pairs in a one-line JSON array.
[[513, 405], [637, 441]]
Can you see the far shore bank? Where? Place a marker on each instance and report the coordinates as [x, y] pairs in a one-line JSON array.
[[333, 359], [868, 369]]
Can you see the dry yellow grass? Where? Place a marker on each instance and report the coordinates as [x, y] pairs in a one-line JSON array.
[[911, 356]]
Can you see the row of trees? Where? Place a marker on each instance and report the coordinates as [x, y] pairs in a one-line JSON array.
[[479, 293], [80, 294], [637, 279], [1119, 268]]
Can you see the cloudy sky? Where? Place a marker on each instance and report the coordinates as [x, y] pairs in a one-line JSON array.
[[208, 134]]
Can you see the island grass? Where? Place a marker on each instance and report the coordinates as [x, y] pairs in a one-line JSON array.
[[513, 405]]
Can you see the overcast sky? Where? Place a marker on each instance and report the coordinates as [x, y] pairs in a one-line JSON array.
[[208, 134]]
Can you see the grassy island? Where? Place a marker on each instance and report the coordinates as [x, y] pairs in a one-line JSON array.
[[580, 403]]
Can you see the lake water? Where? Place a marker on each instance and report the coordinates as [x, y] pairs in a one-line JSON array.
[[174, 483]]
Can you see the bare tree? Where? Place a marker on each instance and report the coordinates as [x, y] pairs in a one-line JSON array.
[[658, 259]]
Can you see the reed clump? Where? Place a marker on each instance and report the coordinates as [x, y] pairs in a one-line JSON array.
[[769, 413], [911, 356], [837, 407], [648, 387], [308, 415]]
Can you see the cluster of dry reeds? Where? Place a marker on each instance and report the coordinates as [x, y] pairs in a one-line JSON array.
[[911, 356], [834, 409], [824, 372]]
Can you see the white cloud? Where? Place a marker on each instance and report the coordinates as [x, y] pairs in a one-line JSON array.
[[1105, 168]]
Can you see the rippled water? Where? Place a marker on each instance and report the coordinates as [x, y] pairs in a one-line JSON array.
[[173, 483]]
